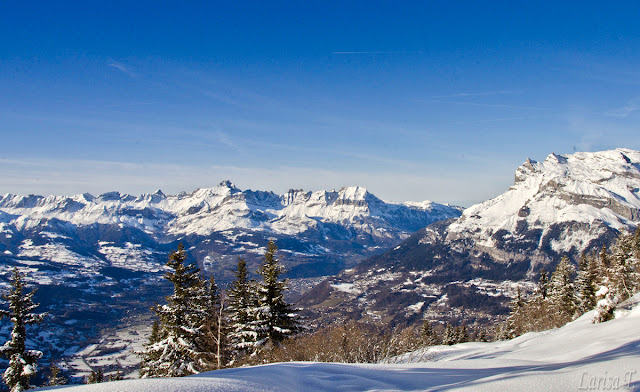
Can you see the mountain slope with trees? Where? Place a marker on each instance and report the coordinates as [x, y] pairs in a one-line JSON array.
[[471, 267]]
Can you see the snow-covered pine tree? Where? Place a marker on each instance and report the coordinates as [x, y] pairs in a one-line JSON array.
[[150, 357], [619, 277], [179, 352], [562, 289], [586, 284], [512, 327], [428, 334], [449, 336], [275, 318], [623, 276], [243, 301], [22, 362]]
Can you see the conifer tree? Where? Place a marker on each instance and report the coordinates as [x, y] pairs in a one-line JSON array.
[[275, 318], [543, 284], [96, 377], [242, 301], [586, 284], [55, 376], [449, 336], [22, 362], [149, 356], [620, 275], [511, 327], [562, 288], [179, 352], [622, 272], [463, 334], [428, 334], [605, 260]]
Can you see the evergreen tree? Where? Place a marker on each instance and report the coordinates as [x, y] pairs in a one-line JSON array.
[[463, 334], [275, 318], [242, 301], [622, 271], [449, 336], [562, 289], [149, 356], [22, 362], [55, 376], [96, 377], [512, 328], [543, 284], [586, 284], [620, 275], [635, 243], [605, 260], [179, 351], [428, 334]]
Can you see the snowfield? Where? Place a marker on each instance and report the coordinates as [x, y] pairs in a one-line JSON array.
[[579, 356]]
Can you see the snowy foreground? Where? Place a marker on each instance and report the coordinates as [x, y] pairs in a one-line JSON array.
[[579, 356]]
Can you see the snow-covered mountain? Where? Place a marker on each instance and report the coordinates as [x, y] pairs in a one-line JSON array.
[[564, 205], [579, 356], [469, 266], [356, 221], [98, 258], [226, 207]]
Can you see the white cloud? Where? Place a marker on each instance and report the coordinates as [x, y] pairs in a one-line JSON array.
[[121, 67], [477, 94], [624, 111]]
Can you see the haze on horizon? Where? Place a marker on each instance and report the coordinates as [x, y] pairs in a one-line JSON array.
[[438, 101]]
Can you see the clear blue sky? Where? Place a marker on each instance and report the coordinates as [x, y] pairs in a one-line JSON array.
[[437, 100]]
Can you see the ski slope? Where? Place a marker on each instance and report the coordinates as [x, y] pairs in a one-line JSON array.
[[578, 356]]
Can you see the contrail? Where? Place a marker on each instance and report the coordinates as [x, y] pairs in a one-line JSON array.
[[380, 52]]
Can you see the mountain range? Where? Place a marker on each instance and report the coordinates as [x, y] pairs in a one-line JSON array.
[[469, 267], [98, 259]]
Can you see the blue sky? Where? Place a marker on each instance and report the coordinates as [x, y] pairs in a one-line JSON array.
[[414, 100]]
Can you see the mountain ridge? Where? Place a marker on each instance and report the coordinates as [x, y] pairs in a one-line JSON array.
[[469, 267]]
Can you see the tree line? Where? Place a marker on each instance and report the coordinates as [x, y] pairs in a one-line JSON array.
[[602, 281], [200, 328]]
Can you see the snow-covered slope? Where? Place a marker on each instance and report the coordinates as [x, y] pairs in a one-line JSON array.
[[578, 356], [470, 266]]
